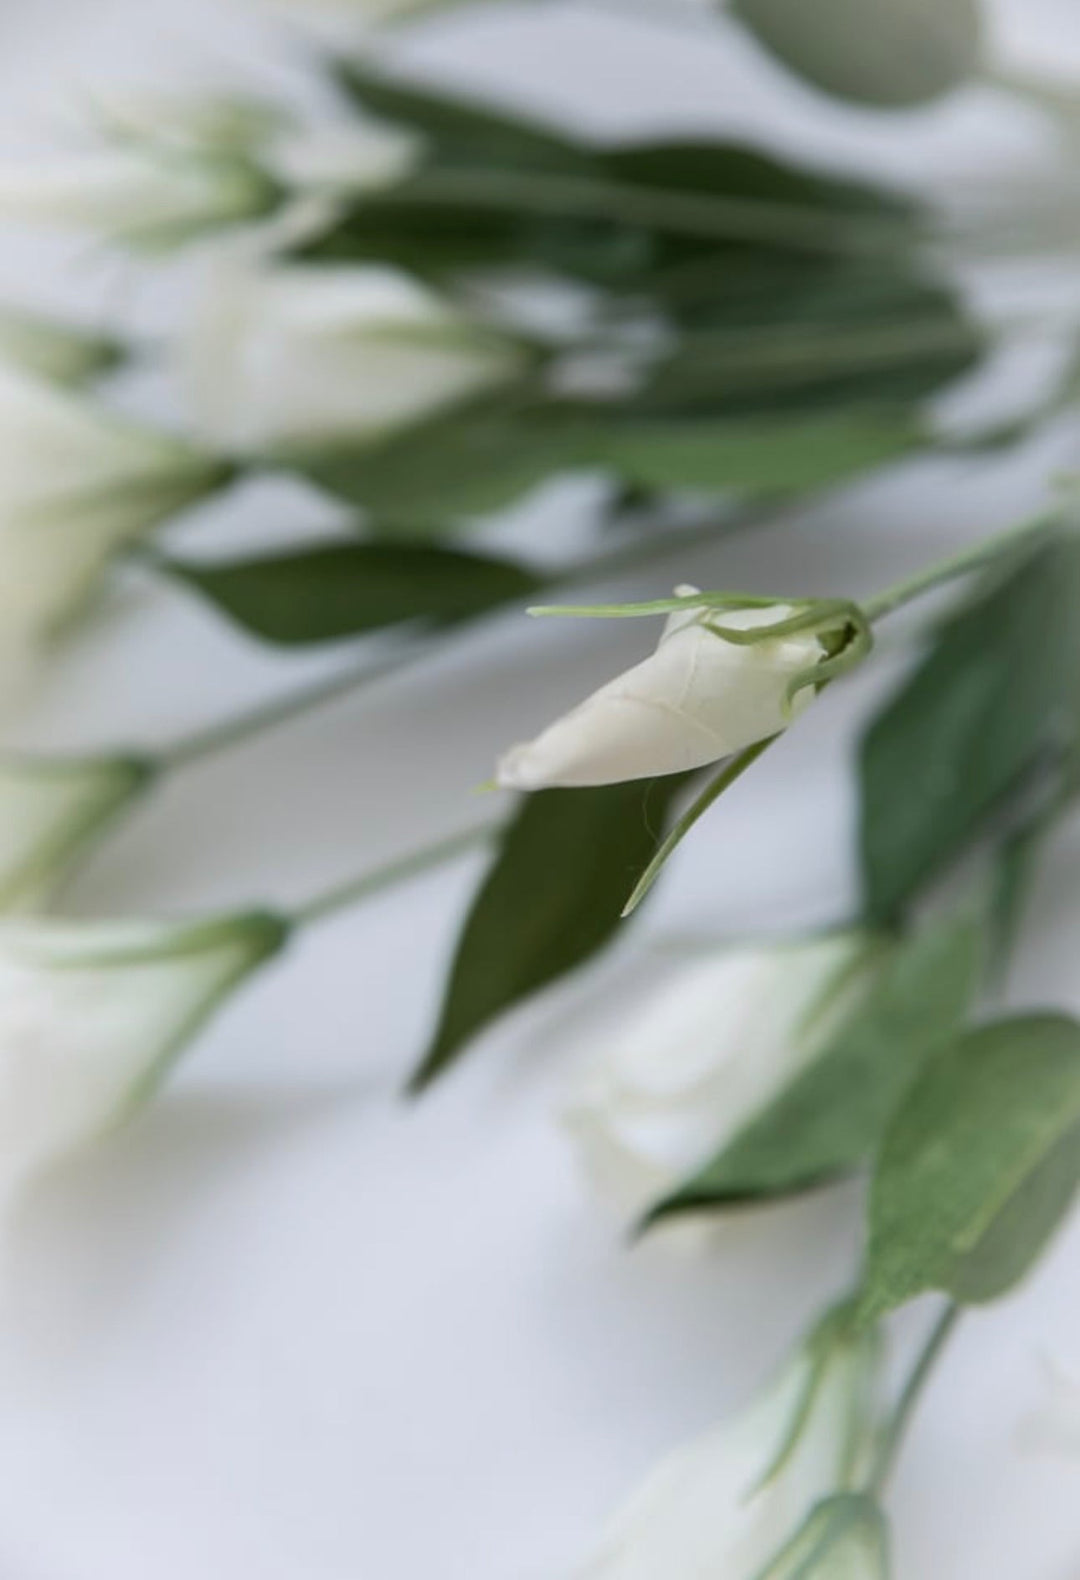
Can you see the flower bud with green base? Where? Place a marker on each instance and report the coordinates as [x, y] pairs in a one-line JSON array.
[[63, 353], [721, 1505], [728, 672], [51, 810], [293, 358], [93, 1015], [78, 483]]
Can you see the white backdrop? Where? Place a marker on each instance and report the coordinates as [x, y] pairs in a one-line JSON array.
[[288, 1328]]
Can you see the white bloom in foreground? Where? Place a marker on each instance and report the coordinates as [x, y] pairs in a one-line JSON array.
[[140, 196], [682, 1073], [307, 356], [60, 352], [711, 1511], [92, 1015], [76, 483], [696, 699], [192, 121], [343, 157], [50, 810]]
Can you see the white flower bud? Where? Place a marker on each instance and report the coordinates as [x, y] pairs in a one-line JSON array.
[[76, 483], [343, 158], [198, 122], [713, 1509], [92, 1016], [310, 356], [50, 810], [697, 699], [139, 196], [683, 1072], [60, 352]]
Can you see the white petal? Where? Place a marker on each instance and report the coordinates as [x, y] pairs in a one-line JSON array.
[[697, 699], [91, 1014], [314, 356], [704, 1515], [682, 1072]]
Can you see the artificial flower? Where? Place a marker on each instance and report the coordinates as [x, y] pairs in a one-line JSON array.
[[305, 357], [77, 483], [698, 698], [680, 1074], [724, 1507], [50, 810], [92, 1016]]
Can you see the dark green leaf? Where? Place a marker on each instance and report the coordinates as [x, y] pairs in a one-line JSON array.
[[830, 1119], [882, 52], [470, 462], [550, 902], [334, 590], [751, 457], [996, 698], [978, 1166]]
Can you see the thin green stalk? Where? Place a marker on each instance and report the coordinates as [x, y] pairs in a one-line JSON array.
[[247, 725], [733, 769], [957, 565], [895, 1430], [372, 881], [683, 213]]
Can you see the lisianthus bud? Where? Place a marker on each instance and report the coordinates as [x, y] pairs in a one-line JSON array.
[[50, 810], [92, 1016], [684, 1071], [60, 352], [725, 1505], [311, 357], [76, 483], [700, 697], [145, 197]]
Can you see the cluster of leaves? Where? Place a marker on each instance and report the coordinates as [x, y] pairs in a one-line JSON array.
[[767, 330]]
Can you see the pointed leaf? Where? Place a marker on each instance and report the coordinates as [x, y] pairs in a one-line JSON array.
[[978, 1166], [551, 901], [335, 590], [996, 699]]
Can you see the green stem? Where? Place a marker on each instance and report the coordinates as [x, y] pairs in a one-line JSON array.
[[682, 213], [962, 564], [365, 884], [246, 726], [893, 1436]]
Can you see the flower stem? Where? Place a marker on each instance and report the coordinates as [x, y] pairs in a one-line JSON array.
[[247, 725], [372, 881], [896, 1428], [962, 564]]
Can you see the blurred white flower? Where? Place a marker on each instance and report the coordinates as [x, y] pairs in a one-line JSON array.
[[61, 352], [50, 810], [145, 197], [193, 121], [724, 1507], [346, 154], [696, 699], [283, 356], [681, 1073], [92, 1015], [343, 157], [76, 483]]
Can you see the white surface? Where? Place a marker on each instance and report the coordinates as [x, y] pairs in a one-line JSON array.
[[288, 1328]]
